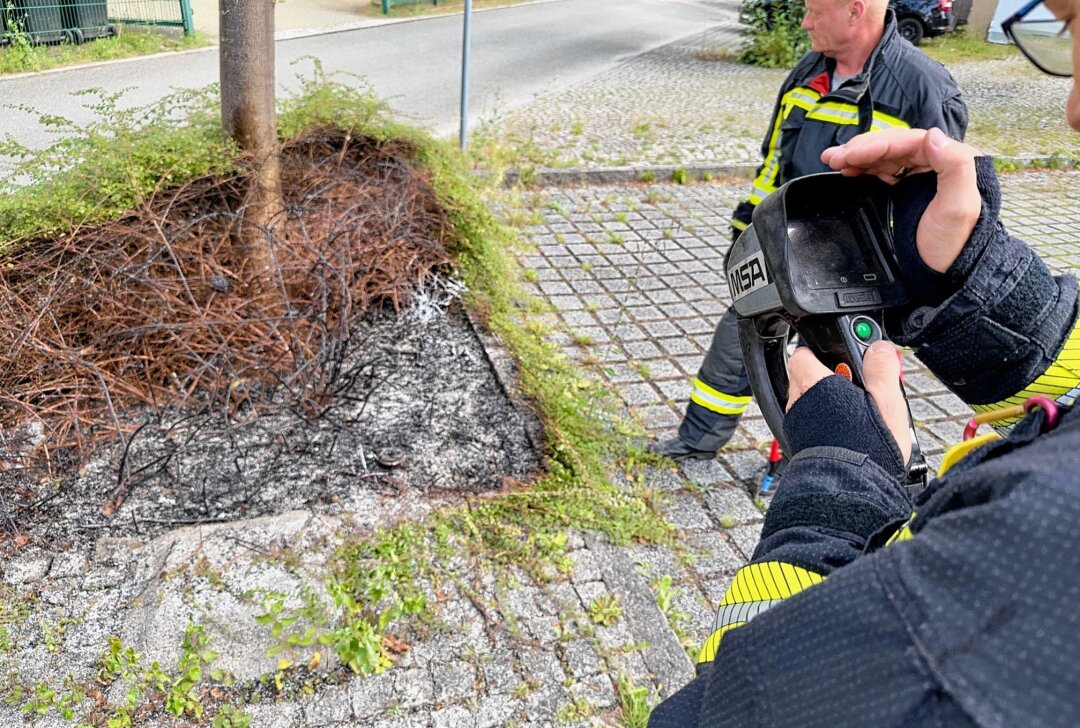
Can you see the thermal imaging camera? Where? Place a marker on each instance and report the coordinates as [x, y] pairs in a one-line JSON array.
[[817, 260]]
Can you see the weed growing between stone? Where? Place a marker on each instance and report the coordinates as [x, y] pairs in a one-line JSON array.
[[635, 701]]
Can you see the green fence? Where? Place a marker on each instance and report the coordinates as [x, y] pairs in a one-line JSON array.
[[77, 21], [387, 4]]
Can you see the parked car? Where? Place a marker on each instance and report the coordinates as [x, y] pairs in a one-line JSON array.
[[915, 19]]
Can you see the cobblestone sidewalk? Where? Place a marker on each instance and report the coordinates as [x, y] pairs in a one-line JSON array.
[[635, 275]]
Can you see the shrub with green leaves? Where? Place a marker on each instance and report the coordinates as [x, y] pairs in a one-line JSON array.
[[775, 38], [98, 171]]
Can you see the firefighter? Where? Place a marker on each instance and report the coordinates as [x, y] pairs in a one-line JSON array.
[[859, 76], [861, 608]]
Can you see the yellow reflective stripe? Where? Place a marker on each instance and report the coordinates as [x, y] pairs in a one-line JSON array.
[[760, 191], [739, 224], [712, 645], [802, 96], [1057, 382], [765, 183], [766, 179], [716, 401], [749, 586], [755, 589], [736, 399], [733, 592], [848, 114], [887, 121], [713, 406], [835, 112], [903, 533], [768, 580]]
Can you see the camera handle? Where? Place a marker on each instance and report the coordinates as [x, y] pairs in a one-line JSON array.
[[840, 342]]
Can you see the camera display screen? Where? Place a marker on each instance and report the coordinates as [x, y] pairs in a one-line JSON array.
[[833, 253]]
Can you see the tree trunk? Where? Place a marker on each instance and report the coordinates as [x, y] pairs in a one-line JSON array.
[[979, 17], [248, 115]]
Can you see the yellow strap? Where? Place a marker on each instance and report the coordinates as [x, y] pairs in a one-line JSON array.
[[959, 451]]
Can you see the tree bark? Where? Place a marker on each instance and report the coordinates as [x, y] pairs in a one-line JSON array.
[[249, 116], [979, 17]]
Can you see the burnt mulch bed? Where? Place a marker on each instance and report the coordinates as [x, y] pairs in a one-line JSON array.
[[147, 380]]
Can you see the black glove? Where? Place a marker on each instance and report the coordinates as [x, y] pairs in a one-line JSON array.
[[836, 413]]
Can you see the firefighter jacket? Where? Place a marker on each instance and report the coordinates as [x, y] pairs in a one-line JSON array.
[[900, 86], [862, 608]]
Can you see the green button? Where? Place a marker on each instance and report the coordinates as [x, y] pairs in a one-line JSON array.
[[864, 330]]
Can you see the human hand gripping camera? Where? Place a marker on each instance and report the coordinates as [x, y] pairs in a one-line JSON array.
[[863, 606]]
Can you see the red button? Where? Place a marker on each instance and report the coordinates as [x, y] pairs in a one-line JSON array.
[[843, 370]]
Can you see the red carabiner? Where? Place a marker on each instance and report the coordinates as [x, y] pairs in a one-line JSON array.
[[1047, 405]]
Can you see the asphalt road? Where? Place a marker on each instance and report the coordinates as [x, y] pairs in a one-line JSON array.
[[517, 53]]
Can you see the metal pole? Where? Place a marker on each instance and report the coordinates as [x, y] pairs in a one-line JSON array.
[[464, 135], [186, 17]]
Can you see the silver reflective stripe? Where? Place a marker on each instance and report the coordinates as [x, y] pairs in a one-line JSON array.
[[1069, 398], [831, 113], [742, 612]]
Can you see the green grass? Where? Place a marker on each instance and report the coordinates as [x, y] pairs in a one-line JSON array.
[[374, 7], [634, 701], [20, 56], [959, 47], [713, 53], [99, 170]]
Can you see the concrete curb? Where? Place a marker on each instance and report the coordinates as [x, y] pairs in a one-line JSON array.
[[570, 176], [660, 173]]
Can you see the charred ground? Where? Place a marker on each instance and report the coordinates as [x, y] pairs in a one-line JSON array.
[[146, 382]]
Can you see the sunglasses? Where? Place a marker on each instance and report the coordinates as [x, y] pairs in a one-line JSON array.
[[1045, 41]]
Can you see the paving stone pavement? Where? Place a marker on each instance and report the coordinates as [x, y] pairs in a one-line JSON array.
[[688, 103], [635, 277]]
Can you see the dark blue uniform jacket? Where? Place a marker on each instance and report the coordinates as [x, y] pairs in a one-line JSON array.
[[975, 619]]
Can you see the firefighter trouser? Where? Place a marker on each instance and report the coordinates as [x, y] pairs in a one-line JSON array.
[[721, 391]]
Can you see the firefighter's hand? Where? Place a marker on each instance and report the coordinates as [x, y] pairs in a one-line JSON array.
[[892, 154], [843, 416]]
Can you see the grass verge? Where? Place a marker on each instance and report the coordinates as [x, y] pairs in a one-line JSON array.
[[374, 8], [960, 46], [21, 56]]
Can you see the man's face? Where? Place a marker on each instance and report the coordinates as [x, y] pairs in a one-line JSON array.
[[830, 25], [1069, 10]]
